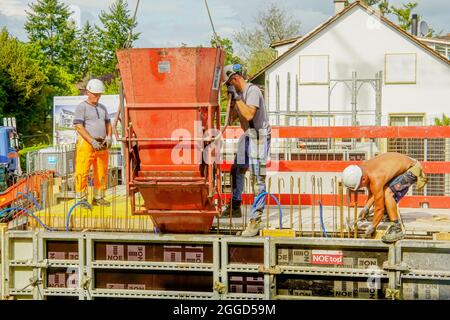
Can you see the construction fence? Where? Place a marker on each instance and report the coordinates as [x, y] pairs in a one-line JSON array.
[[314, 153]]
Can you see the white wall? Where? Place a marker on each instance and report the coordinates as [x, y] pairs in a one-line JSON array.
[[357, 43], [283, 48]]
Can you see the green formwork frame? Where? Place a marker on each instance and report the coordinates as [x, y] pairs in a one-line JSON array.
[[326, 244], [423, 260], [227, 267], [92, 264], [37, 263], [25, 264], [21, 265]]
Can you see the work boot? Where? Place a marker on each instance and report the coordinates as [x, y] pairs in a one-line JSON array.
[[393, 233], [84, 204], [235, 208], [100, 202], [252, 229]]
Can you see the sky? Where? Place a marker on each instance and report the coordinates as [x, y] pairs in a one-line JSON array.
[[167, 23]]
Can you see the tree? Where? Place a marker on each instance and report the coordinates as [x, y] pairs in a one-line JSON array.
[[445, 121], [227, 45], [272, 24], [117, 25], [89, 52], [49, 27], [404, 15], [22, 85]]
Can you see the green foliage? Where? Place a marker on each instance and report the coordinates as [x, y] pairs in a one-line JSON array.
[[272, 24], [384, 8], [50, 28], [89, 59], [404, 14], [22, 85], [114, 34], [112, 87], [227, 46], [445, 121]]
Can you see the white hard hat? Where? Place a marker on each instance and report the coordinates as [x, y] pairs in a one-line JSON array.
[[230, 70], [95, 86], [351, 177]]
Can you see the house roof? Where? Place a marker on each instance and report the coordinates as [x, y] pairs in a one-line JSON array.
[[336, 17], [283, 42], [446, 37], [435, 40]]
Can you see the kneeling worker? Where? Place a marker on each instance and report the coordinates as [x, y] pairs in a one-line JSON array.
[[387, 178], [93, 126]]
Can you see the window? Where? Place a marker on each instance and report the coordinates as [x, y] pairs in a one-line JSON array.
[[405, 119], [400, 68], [422, 149], [314, 70], [441, 50]]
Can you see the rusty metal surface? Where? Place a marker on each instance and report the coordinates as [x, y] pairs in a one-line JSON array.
[[172, 100], [153, 280], [155, 252]]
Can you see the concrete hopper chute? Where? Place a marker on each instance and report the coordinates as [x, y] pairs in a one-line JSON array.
[[171, 105]]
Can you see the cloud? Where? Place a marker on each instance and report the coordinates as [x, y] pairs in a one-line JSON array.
[[172, 22], [13, 7], [14, 25]]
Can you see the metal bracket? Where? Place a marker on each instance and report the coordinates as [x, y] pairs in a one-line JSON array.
[[85, 282], [33, 282], [393, 294], [272, 270], [219, 287], [42, 264], [401, 267]]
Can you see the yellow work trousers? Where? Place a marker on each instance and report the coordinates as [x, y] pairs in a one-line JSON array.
[[86, 156]]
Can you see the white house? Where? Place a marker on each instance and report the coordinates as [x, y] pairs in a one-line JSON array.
[[357, 68]]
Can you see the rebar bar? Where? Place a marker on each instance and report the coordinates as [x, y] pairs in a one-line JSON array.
[[300, 223], [313, 203]]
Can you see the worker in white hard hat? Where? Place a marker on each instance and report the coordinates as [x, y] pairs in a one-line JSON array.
[[247, 105], [387, 178], [93, 125]]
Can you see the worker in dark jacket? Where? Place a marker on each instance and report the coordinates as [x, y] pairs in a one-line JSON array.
[[387, 177], [248, 106]]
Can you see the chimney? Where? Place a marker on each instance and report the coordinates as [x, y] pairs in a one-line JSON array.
[[414, 24], [339, 5]]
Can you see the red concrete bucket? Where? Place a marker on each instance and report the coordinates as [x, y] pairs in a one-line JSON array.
[[171, 101]]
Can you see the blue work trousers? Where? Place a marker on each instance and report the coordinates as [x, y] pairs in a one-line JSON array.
[[252, 154]]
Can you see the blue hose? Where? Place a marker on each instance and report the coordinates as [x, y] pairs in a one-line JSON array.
[[71, 209], [2, 212], [31, 198], [321, 220], [37, 219], [263, 194], [29, 213]]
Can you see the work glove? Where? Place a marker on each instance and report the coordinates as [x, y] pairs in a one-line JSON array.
[[234, 95], [96, 145], [364, 213], [108, 141], [369, 231]]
